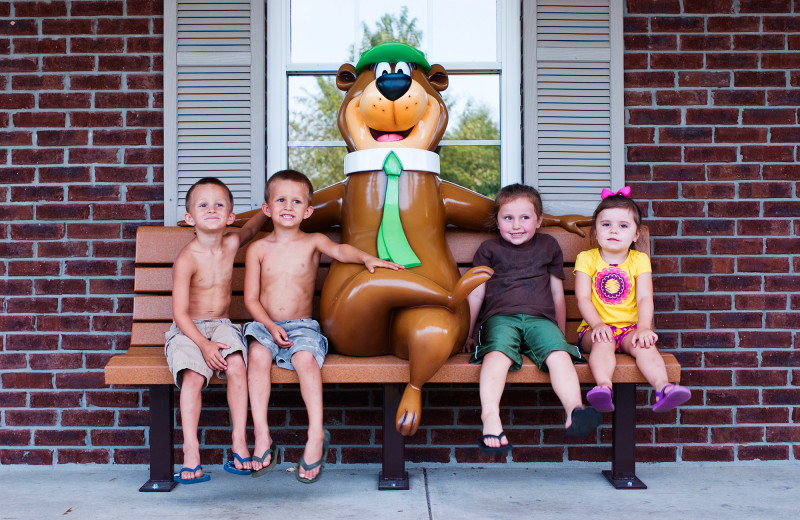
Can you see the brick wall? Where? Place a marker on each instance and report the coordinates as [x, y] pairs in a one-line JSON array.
[[711, 128]]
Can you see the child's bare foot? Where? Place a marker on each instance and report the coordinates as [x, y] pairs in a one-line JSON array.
[[316, 450], [191, 459], [262, 450], [492, 442], [243, 461]]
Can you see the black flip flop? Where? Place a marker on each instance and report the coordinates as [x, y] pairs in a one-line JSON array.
[[503, 448], [584, 421]]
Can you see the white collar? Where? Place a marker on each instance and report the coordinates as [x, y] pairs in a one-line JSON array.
[[372, 160]]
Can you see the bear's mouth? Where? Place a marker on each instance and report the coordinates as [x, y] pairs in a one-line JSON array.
[[389, 137]]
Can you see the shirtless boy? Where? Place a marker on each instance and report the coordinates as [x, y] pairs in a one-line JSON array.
[[280, 272], [202, 340]]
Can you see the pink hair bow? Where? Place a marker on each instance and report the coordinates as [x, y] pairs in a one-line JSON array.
[[625, 192]]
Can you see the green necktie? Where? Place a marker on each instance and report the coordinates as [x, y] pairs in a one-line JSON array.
[[392, 242]]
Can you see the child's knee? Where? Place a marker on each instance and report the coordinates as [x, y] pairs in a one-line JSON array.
[[236, 366], [191, 380], [304, 359], [558, 358], [258, 355]]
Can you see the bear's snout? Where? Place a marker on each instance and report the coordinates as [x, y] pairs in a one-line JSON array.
[[393, 85]]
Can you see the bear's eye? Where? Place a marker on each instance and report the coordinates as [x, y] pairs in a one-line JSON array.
[[402, 68], [382, 68]]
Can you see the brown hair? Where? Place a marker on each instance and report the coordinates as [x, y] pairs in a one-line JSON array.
[[289, 175], [513, 192], [207, 180], [618, 201]]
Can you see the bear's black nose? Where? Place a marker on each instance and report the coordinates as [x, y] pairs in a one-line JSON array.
[[393, 85]]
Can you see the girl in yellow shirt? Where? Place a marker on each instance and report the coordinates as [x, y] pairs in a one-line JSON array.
[[614, 288]]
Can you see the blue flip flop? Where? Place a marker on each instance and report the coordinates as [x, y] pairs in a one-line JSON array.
[[203, 478], [230, 467]]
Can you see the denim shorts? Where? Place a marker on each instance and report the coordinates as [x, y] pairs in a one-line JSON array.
[[183, 354], [303, 333]]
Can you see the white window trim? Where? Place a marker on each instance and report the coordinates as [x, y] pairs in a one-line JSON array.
[[278, 69]]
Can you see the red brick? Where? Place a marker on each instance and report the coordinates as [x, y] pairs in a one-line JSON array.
[[759, 79], [39, 119], [12, 65], [763, 264], [114, 249], [30, 417], [684, 320], [685, 135], [763, 227], [97, 8], [712, 116], [128, 174], [121, 100], [90, 418], [704, 302], [654, 153], [40, 46], [715, 227], [705, 42], [678, 209], [781, 209], [68, 26], [734, 283], [60, 437], [780, 358], [731, 320], [732, 397], [15, 213], [639, 135], [56, 361], [675, 435], [704, 154], [83, 456], [768, 116], [733, 24], [762, 415], [134, 456], [734, 209], [37, 193], [95, 119], [781, 172], [94, 193], [80, 380], [660, 116], [93, 155], [761, 42], [650, 42], [788, 397], [665, 246], [62, 137], [27, 380], [13, 361], [653, 7], [144, 118], [27, 456], [762, 378], [144, 156], [734, 61], [62, 212], [16, 138], [151, 45], [96, 46], [767, 153], [15, 437], [37, 232], [145, 81], [126, 26], [123, 63], [763, 452], [704, 79], [93, 230], [115, 398], [760, 302], [785, 246], [783, 434], [67, 63], [784, 135], [782, 320], [35, 156], [31, 305], [119, 137]]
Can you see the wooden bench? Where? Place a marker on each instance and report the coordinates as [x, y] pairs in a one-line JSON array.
[[144, 362]]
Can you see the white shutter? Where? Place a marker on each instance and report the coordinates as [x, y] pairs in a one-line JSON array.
[[573, 101], [213, 100]]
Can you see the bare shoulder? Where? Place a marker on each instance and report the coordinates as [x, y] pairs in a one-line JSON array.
[[185, 263]]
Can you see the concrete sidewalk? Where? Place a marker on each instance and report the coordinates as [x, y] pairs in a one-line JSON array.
[[749, 491]]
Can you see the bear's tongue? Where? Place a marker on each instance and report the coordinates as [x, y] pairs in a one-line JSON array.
[[389, 138]]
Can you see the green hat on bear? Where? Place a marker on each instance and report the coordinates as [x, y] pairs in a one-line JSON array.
[[392, 52]]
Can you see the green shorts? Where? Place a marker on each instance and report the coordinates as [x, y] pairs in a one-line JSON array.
[[519, 334]]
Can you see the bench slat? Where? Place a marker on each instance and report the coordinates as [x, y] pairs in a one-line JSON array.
[[147, 365]]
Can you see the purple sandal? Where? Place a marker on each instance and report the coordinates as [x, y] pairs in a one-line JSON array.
[[670, 400], [601, 399]]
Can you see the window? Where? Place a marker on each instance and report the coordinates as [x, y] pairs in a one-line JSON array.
[[571, 55]]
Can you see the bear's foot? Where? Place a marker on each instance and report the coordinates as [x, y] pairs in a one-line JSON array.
[[409, 411]]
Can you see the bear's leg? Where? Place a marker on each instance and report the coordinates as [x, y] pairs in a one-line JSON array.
[[430, 336]]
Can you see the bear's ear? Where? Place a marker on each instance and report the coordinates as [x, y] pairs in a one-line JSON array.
[[437, 78], [346, 77]]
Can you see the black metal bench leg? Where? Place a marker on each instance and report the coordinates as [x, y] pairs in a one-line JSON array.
[[161, 431], [393, 474], [623, 444]]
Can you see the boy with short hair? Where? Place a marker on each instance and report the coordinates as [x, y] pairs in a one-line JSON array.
[[202, 340], [280, 273]]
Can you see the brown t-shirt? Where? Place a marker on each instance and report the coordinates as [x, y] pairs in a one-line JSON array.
[[521, 281]]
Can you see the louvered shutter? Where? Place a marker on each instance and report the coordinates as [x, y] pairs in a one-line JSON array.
[[573, 101], [213, 100]]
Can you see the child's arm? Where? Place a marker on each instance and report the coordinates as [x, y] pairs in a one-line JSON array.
[[252, 293], [583, 293], [557, 290], [251, 227], [352, 255], [475, 301], [644, 336], [182, 272]]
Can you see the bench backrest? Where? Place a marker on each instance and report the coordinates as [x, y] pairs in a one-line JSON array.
[[157, 247]]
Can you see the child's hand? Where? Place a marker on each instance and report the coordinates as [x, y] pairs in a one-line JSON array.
[[211, 355], [602, 334], [469, 345], [374, 262], [279, 336], [644, 338]]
